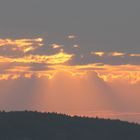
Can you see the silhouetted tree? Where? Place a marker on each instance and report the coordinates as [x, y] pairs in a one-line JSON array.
[[52, 126]]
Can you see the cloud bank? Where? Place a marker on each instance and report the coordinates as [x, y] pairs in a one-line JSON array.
[[43, 75]]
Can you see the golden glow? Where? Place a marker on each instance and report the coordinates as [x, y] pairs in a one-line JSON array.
[[136, 55], [98, 53], [75, 46], [59, 58], [46, 59], [4, 76], [108, 73], [114, 54], [5, 59], [117, 54], [15, 76], [27, 75], [39, 39], [57, 62], [108, 53], [129, 73], [18, 69], [24, 45], [52, 59], [55, 46], [71, 36]]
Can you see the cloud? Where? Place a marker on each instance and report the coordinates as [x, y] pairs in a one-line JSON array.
[[71, 36], [135, 55], [115, 54], [55, 46], [24, 45], [32, 57]]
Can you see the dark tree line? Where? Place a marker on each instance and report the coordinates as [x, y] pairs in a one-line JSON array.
[[51, 126]]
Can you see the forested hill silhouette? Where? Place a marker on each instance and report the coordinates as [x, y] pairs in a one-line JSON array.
[[51, 126]]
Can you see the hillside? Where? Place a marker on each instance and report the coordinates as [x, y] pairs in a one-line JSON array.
[[52, 126]]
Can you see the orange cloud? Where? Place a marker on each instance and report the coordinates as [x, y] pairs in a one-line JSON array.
[[46, 59], [98, 53], [23, 45], [109, 73], [18, 69], [115, 54], [4, 76], [57, 62], [108, 53], [76, 46], [136, 55], [55, 46], [71, 36]]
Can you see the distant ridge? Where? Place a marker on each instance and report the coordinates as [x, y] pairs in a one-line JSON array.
[[27, 125]]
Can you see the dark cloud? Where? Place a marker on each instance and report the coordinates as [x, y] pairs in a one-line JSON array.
[[39, 67]]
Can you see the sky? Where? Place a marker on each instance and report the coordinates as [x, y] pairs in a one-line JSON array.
[[76, 57]]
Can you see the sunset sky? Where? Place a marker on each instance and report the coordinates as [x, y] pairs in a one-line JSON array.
[[80, 57]]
